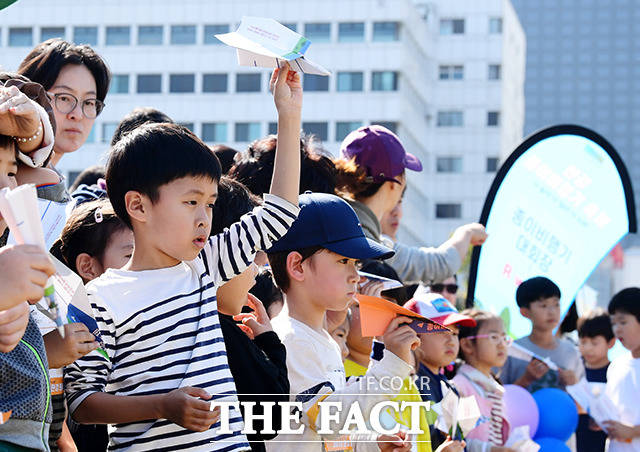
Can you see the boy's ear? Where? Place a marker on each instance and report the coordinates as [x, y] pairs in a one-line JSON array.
[[294, 266], [526, 313], [88, 267], [467, 347], [137, 205], [611, 343]]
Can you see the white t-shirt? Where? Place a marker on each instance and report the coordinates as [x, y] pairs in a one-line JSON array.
[[623, 388]]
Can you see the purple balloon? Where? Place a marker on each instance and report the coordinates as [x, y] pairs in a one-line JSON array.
[[521, 408]]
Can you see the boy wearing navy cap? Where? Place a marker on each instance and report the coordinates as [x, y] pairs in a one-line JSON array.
[[315, 265]]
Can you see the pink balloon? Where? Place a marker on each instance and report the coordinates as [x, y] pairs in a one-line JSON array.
[[521, 408]]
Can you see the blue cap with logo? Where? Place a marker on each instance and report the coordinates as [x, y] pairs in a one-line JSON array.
[[328, 221]]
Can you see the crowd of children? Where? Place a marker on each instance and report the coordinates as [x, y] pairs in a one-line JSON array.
[[219, 283]]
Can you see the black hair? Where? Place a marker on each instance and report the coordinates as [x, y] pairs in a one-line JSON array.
[[45, 61], [278, 263], [8, 142], [153, 155], [234, 200], [376, 267], [536, 289], [254, 167], [627, 301], [595, 323], [570, 321], [137, 117], [88, 176], [226, 155], [266, 290]]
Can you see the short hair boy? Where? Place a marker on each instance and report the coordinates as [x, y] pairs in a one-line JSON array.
[[623, 375], [315, 266], [158, 314], [539, 301]]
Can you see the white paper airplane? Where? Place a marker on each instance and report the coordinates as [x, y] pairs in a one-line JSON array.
[[262, 42]]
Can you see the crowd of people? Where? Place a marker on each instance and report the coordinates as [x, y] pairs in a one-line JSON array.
[[223, 275]]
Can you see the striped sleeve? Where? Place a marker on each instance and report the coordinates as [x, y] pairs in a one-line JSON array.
[[90, 373], [229, 253]]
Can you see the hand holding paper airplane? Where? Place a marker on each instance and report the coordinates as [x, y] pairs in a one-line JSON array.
[[263, 42]]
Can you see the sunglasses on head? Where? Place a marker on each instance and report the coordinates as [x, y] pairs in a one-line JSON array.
[[451, 288]]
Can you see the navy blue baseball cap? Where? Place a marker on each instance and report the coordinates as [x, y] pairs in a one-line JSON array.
[[328, 221]]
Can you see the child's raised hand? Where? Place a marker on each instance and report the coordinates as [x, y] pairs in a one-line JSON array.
[[286, 86], [400, 339], [24, 270], [77, 342], [188, 408], [13, 323], [19, 116], [567, 377], [256, 322], [394, 443]]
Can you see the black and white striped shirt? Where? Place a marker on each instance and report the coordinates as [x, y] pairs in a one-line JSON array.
[[161, 332]]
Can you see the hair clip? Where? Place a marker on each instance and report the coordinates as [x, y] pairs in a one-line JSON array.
[[98, 215]]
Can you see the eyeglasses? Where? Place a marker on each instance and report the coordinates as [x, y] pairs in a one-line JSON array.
[[451, 288], [65, 103], [493, 337]]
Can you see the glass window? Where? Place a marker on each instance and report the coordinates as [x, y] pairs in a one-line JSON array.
[[318, 32], [492, 164], [118, 36], [273, 128], [291, 26], [150, 35], [350, 81], [188, 125], [119, 84], [20, 37], [345, 128], [449, 164], [451, 26], [391, 125], [451, 72], [214, 132], [495, 25], [450, 119], [214, 83], [493, 118], [51, 32], [108, 129], [85, 35], [248, 83], [495, 72], [448, 210], [386, 31], [183, 34], [384, 81], [210, 32], [247, 131], [315, 82], [319, 129], [182, 83], [351, 32], [150, 83]]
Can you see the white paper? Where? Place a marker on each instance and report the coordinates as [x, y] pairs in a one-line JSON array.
[[454, 411], [520, 440], [388, 283], [518, 351], [53, 216]]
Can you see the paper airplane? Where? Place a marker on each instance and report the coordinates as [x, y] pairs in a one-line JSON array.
[[387, 283], [376, 314], [518, 351], [263, 42], [4, 416], [456, 412]]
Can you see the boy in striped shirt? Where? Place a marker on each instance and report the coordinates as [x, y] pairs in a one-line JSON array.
[[158, 317]]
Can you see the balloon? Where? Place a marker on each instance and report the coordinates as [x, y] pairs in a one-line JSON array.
[[520, 408], [551, 445], [558, 414]]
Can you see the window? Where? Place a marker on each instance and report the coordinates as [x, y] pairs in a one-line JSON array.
[[450, 119], [492, 164], [150, 83], [188, 125], [391, 125], [449, 164], [247, 131], [316, 83], [493, 118], [344, 128], [85, 35], [291, 26], [108, 129], [319, 129], [119, 84], [386, 31], [451, 72], [51, 32], [495, 25], [214, 83], [350, 81], [118, 36], [210, 32], [384, 81], [273, 128], [150, 35], [183, 34], [182, 83], [20, 37], [215, 132], [495, 72], [451, 26], [248, 83], [318, 32], [351, 32], [448, 210]]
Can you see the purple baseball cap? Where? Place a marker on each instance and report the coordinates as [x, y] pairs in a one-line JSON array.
[[378, 150]]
